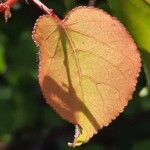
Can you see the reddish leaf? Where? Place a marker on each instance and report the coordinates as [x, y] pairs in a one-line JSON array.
[[88, 68]]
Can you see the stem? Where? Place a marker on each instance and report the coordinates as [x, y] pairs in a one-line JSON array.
[[92, 2], [46, 9], [43, 7], [6, 6]]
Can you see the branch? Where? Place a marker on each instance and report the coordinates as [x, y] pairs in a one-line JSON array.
[[92, 2], [6, 6]]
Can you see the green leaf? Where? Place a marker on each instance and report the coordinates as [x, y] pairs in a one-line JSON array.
[[146, 64], [2, 60], [148, 1], [69, 3]]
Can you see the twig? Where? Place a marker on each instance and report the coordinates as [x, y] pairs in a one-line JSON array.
[[6, 6], [45, 9], [92, 2]]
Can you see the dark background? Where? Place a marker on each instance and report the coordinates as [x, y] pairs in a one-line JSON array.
[[26, 121]]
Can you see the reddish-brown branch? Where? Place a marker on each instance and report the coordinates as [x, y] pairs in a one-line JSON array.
[[7, 5], [5, 8], [45, 9]]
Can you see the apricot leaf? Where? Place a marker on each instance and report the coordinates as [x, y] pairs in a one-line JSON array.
[[88, 68]]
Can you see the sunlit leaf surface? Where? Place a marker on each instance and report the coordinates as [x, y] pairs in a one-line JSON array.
[[88, 68]]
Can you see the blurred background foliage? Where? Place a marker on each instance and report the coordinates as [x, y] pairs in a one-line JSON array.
[[27, 122]]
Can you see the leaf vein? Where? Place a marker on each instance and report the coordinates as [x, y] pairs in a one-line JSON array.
[[100, 57], [101, 42]]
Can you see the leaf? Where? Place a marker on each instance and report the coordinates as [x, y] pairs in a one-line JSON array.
[[2, 60], [88, 68], [148, 1], [69, 3], [135, 15], [146, 63]]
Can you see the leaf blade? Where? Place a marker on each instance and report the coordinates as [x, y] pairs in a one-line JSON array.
[[87, 81]]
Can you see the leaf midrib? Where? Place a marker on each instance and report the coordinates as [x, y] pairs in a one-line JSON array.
[[72, 46]]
